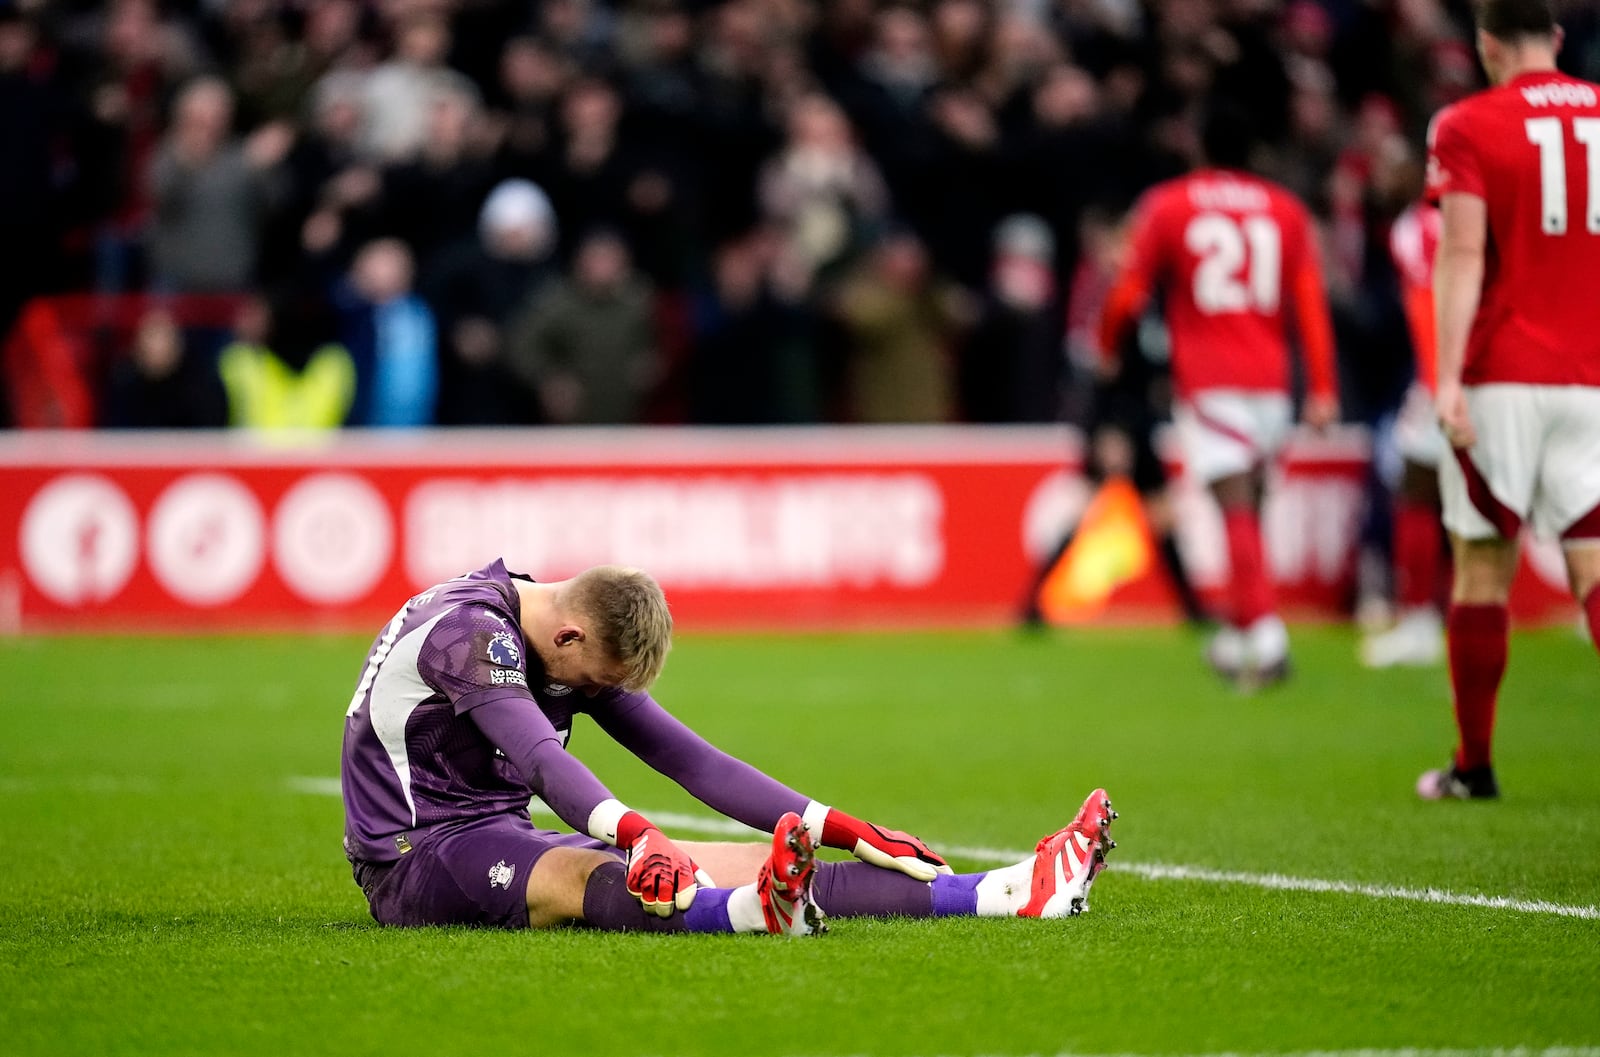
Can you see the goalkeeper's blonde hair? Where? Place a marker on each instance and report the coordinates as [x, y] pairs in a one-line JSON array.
[[626, 612]]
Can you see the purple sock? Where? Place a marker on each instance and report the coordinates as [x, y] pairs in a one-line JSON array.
[[956, 894], [709, 911], [856, 889], [608, 905]]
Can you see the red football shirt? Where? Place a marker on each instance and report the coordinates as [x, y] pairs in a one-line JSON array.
[[1531, 150], [1414, 243], [1232, 253]]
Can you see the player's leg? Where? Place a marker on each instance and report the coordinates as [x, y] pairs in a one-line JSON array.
[[844, 889], [775, 897], [1583, 568], [1228, 439], [1262, 641], [1221, 458], [1569, 487], [1477, 633], [1150, 478], [1417, 637], [728, 863], [1486, 494], [480, 873], [1053, 882], [1418, 528], [1163, 526]]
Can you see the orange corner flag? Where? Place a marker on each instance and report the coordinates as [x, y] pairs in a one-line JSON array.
[[1111, 547]]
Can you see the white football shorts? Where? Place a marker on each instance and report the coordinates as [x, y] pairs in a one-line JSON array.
[[1230, 431], [1417, 435], [1537, 460]]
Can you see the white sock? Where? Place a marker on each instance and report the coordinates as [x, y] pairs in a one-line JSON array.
[[1003, 892], [1268, 640], [744, 910]]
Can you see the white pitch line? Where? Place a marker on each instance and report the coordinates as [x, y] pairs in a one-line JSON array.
[[1518, 1051], [1283, 883], [1153, 871]]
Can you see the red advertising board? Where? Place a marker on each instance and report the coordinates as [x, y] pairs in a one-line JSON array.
[[802, 528]]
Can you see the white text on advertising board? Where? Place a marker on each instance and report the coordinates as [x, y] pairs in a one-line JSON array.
[[710, 532]]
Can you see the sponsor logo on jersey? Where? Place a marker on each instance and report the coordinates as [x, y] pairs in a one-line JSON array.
[[504, 649], [402, 845], [500, 875], [507, 677], [557, 689]]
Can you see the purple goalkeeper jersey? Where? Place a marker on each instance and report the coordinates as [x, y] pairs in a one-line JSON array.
[[414, 758]]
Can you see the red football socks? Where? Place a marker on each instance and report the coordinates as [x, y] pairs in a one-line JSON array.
[[1249, 585], [1478, 637], [1417, 554]]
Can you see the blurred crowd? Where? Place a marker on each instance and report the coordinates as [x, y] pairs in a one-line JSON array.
[[709, 211]]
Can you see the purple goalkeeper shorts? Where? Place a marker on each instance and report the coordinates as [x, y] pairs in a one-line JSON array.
[[465, 873]]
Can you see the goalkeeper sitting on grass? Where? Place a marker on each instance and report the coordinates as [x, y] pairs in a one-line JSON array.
[[463, 713]]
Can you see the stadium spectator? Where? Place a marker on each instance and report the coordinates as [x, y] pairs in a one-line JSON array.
[[33, 103], [491, 670], [400, 93], [753, 360], [666, 120], [389, 332], [599, 179], [435, 193], [885, 90], [476, 288], [901, 322], [331, 188], [1011, 363], [1231, 254], [1518, 393], [587, 345], [161, 384], [271, 72], [210, 193], [283, 372], [129, 61], [963, 191], [822, 191], [531, 79]]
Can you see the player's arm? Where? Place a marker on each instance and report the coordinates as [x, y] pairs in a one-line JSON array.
[[660, 874], [1417, 300], [1131, 292], [474, 658], [1456, 185], [740, 791], [1315, 325], [1457, 287]]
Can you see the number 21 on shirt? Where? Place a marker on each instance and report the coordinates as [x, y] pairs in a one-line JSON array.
[[1241, 263], [1547, 134]]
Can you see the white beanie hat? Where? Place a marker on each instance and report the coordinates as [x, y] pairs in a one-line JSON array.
[[515, 203]]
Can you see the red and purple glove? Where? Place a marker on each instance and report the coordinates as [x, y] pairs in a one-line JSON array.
[[891, 849], [660, 875]]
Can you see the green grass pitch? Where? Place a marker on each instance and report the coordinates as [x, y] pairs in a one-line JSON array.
[[166, 888]]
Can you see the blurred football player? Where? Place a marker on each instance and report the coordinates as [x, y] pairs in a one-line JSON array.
[[1232, 254], [1417, 638], [1515, 170], [1123, 414], [463, 713]]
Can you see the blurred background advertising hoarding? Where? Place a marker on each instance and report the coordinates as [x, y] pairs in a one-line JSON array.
[[746, 529]]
